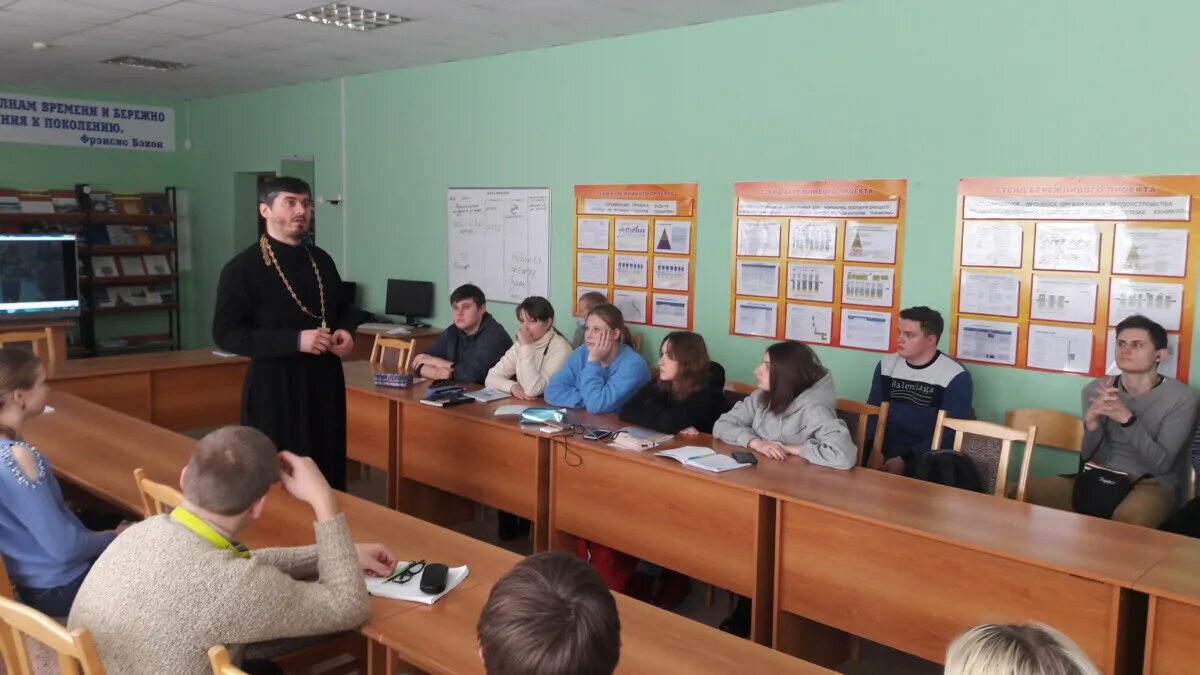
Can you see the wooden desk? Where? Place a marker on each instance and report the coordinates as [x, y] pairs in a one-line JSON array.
[[912, 564], [1173, 621], [364, 340], [700, 524], [190, 389]]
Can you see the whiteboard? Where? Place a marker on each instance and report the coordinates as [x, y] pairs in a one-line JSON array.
[[500, 241]]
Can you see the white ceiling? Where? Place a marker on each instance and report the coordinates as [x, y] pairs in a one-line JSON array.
[[243, 45]]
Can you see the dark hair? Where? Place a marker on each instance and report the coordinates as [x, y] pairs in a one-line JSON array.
[[536, 308], [230, 469], [1158, 334], [593, 298], [930, 319], [551, 614], [794, 368], [270, 188], [612, 317], [18, 372], [689, 351], [468, 292]]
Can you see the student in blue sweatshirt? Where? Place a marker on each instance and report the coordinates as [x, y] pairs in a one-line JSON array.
[[603, 373], [47, 551], [917, 381]]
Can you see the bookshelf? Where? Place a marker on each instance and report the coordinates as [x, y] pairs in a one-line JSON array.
[[128, 262]]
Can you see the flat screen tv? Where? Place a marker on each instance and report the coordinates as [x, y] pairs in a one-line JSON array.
[[39, 276]]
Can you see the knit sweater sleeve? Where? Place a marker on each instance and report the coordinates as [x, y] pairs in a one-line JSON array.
[[265, 603], [298, 562]]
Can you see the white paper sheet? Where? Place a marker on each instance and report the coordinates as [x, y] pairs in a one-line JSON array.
[[870, 242], [868, 285], [813, 239], [632, 305], [807, 323], [592, 268], [670, 310], [1071, 299], [630, 270], [1064, 349], [671, 273], [632, 234], [755, 277], [580, 290], [758, 237], [411, 589], [1150, 251], [866, 329], [755, 318], [1168, 366], [810, 282], [991, 341], [989, 293], [1161, 302], [673, 236], [1067, 246], [593, 233], [991, 243]]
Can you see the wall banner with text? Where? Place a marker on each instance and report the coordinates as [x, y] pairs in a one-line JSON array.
[[89, 124]]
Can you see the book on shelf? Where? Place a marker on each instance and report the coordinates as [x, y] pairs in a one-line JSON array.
[[65, 204], [165, 292], [155, 203], [160, 234], [132, 266], [108, 298], [102, 202], [105, 266], [10, 204], [37, 206], [137, 296], [128, 204], [121, 235], [157, 264]]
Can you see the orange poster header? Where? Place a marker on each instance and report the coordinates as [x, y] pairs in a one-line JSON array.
[[1096, 186], [591, 199], [813, 190]]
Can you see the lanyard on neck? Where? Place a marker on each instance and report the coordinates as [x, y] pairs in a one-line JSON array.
[[206, 532]]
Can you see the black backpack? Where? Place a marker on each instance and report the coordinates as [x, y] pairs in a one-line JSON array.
[[947, 467]]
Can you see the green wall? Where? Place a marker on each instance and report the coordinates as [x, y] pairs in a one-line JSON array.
[[928, 90]]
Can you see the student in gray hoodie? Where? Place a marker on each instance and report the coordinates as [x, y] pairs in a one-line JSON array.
[[791, 412]]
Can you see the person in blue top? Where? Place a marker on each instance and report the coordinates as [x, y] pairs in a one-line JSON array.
[[46, 549], [605, 372]]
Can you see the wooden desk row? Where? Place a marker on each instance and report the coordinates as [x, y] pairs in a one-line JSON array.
[[97, 449], [900, 562]]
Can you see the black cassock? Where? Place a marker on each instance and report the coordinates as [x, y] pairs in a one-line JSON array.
[[298, 400]]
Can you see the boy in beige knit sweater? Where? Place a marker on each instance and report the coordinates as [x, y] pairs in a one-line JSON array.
[[174, 585]]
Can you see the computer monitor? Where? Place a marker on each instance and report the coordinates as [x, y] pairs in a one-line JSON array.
[[411, 299], [38, 276]]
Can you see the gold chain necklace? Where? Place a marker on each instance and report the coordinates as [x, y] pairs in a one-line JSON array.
[[270, 261]]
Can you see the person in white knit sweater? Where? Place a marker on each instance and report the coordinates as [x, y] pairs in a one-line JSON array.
[[539, 353]]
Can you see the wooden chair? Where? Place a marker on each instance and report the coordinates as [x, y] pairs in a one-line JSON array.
[[861, 412], [6, 587], [1055, 429], [992, 461], [404, 351], [156, 497], [41, 340], [76, 651], [218, 656], [636, 338]]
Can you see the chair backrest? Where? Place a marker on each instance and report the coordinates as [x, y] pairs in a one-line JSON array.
[[860, 413], [1056, 429], [156, 497], [40, 340], [6, 588], [989, 449], [403, 348], [76, 652], [637, 341], [218, 656]]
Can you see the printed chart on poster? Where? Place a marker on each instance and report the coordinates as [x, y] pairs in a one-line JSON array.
[[1046, 267], [636, 244], [818, 261]]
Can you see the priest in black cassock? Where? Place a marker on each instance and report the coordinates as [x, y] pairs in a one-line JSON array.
[[278, 303]]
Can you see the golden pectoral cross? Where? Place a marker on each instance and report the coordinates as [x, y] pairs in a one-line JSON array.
[[324, 328]]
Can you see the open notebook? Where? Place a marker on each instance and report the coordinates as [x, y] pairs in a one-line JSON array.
[[702, 458]]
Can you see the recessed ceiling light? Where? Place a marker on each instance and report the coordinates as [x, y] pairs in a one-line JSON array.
[[149, 64], [337, 15]]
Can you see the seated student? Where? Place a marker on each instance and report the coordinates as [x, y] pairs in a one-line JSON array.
[[917, 381], [46, 549], [174, 585], [468, 349], [791, 412], [1137, 422], [539, 353], [584, 306], [688, 395], [1032, 649], [603, 373], [551, 614], [1186, 521]]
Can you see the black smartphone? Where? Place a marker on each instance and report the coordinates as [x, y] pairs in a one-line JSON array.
[[433, 579], [743, 457]]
